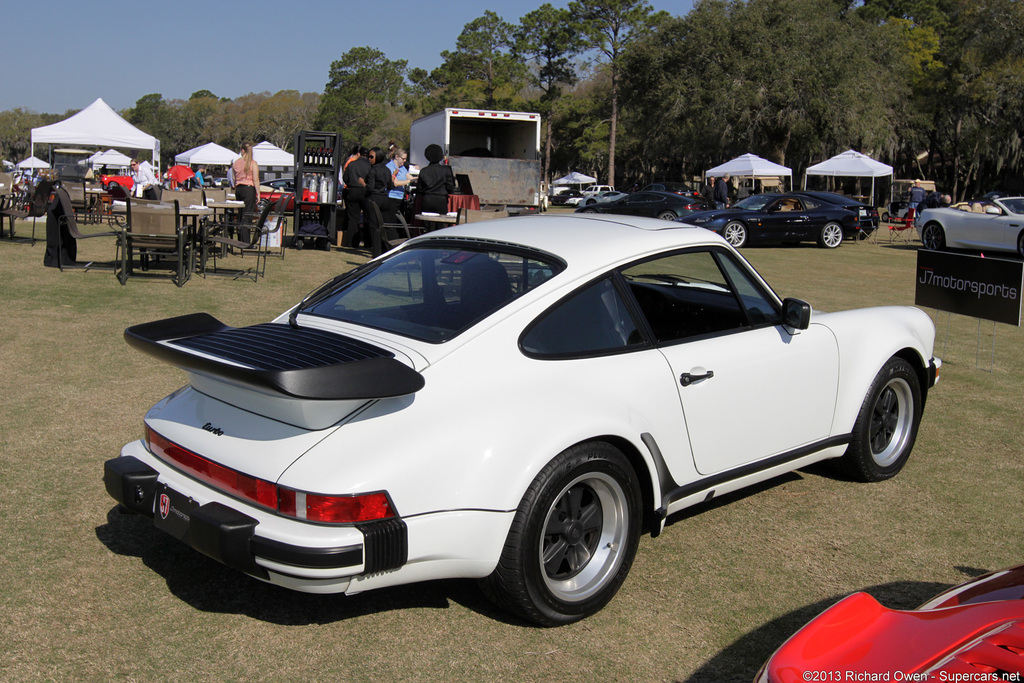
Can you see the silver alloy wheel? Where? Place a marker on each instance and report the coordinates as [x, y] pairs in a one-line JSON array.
[[585, 531], [932, 237], [735, 233], [831, 235], [667, 216], [891, 422]]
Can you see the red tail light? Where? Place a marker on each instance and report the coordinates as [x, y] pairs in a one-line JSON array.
[[311, 507]]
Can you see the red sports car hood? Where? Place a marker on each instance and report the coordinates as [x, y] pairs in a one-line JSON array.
[[858, 639]]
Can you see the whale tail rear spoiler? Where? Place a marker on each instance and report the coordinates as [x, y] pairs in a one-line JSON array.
[[301, 363]]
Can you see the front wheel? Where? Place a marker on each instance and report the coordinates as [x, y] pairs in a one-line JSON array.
[[588, 210], [885, 216], [932, 237], [1020, 244], [573, 538], [735, 233], [831, 236], [886, 426]]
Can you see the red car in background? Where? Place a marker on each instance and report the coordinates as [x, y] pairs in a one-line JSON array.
[[125, 181], [971, 632], [283, 186]]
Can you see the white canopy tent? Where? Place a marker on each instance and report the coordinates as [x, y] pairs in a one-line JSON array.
[[210, 154], [750, 166], [574, 178], [97, 125], [110, 158], [268, 154], [32, 162], [851, 164]]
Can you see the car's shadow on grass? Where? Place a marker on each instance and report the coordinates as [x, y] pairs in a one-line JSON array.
[[741, 660], [207, 585]]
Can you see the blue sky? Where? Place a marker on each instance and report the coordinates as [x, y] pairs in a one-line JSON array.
[[63, 54]]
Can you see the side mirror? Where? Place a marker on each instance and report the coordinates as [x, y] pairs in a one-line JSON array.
[[994, 210], [796, 314]]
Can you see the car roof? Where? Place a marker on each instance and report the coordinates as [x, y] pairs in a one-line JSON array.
[[586, 242], [669, 195], [830, 197]]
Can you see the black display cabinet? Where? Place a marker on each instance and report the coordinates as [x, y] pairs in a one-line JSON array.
[[318, 159]]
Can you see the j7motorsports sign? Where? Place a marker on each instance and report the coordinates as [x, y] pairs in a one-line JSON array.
[[974, 286]]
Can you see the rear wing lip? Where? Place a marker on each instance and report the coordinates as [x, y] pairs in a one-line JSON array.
[[361, 379]]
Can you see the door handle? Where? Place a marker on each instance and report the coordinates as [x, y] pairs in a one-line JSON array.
[[686, 379]]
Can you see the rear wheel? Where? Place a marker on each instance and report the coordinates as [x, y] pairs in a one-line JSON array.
[[933, 237], [573, 538], [735, 233], [831, 236], [667, 216], [588, 210], [886, 427]]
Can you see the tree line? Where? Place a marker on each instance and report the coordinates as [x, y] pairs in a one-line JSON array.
[[628, 94]]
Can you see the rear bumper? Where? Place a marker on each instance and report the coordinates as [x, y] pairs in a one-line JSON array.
[[232, 537]]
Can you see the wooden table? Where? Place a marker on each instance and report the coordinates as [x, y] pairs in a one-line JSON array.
[[431, 222]]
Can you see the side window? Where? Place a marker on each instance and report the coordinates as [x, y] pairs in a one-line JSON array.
[[592, 321], [688, 294], [759, 307]]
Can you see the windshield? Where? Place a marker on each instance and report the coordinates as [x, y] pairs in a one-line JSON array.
[[1015, 205], [434, 292], [754, 202]]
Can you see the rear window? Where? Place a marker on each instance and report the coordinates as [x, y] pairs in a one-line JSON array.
[[433, 293]]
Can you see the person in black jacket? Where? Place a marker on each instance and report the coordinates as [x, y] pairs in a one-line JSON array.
[[435, 183], [722, 192], [707, 192], [355, 199], [378, 184]]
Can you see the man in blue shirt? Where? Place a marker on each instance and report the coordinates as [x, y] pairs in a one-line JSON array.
[[917, 195], [399, 178]]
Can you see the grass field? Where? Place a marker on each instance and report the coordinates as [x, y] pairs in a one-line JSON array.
[[89, 594]]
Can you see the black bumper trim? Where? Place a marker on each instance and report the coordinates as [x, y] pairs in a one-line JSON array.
[[313, 558], [132, 483], [229, 536]]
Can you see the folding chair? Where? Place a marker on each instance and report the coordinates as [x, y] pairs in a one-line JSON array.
[[903, 229], [155, 232], [387, 236], [66, 219], [37, 206], [217, 237]]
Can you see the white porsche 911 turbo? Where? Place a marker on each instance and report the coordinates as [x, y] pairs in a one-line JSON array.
[[514, 401]]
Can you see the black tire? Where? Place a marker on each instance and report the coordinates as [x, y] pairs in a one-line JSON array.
[[588, 210], [831, 235], [667, 216], [886, 427], [1020, 244], [735, 233], [885, 216], [298, 244], [934, 238], [112, 185], [582, 513]]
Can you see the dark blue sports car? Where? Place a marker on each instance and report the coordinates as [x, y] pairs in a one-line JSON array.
[[762, 218]]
